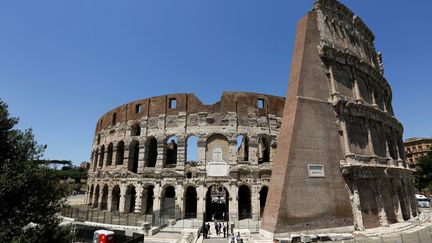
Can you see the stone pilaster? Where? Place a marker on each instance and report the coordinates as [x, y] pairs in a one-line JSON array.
[[141, 155], [380, 203], [122, 199], [138, 198]]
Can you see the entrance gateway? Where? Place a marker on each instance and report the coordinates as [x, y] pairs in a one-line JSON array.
[[217, 205]]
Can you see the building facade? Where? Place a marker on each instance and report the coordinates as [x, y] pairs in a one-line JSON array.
[[416, 148], [140, 155]]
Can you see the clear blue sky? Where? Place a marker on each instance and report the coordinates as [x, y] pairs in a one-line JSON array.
[[65, 63]]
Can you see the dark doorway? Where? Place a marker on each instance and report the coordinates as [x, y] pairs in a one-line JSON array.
[[149, 200], [168, 203], [263, 198], [115, 201], [190, 202], [244, 202], [104, 204], [217, 205], [96, 197], [130, 199]]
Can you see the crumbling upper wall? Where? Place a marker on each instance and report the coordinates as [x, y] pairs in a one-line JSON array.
[[242, 103]]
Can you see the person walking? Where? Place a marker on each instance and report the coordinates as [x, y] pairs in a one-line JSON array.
[[224, 230]]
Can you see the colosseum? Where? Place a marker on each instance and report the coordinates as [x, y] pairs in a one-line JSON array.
[[333, 148], [173, 155]]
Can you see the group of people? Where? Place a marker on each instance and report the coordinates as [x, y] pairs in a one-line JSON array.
[[221, 228]]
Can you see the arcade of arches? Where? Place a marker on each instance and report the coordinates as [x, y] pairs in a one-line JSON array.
[[173, 201]]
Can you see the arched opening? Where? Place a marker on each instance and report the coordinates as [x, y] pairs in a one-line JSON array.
[[90, 200], [242, 148], [168, 203], [263, 149], [151, 152], [190, 202], [101, 157], [368, 206], [120, 153], [95, 159], [148, 195], [136, 130], [115, 199], [133, 156], [263, 198], [171, 152], [96, 197], [130, 199], [217, 203], [389, 208], [192, 150], [244, 202], [104, 204], [109, 154], [404, 207]]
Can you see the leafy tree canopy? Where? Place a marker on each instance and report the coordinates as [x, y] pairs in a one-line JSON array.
[[423, 174], [30, 195]]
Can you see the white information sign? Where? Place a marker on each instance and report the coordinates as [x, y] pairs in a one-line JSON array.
[[316, 170]]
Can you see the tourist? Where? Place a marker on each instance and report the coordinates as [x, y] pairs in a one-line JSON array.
[[224, 230]]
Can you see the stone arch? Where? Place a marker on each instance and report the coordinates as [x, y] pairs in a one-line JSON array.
[[133, 156], [263, 149], [168, 202], [102, 156], [110, 154], [130, 199], [136, 129], [263, 198], [244, 202], [242, 147], [368, 205], [104, 203], [120, 153], [217, 141], [192, 149], [151, 152], [217, 203], [96, 197], [170, 149], [389, 208], [402, 200], [115, 198], [147, 199], [190, 201]]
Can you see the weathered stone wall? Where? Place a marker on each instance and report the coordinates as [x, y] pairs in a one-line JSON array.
[[338, 117], [132, 155]]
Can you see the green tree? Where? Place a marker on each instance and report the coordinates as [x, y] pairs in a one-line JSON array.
[[423, 174], [30, 195]]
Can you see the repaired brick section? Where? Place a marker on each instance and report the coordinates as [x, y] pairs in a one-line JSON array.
[[338, 115]]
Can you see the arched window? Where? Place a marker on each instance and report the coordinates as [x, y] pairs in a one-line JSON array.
[[136, 130], [101, 157], [120, 153], [171, 152], [190, 202], [151, 152], [263, 149], [133, 156], [242, 148], [104, 205], [130, 199], [192, 150], [109, 154], [168, 202], [263, 198]]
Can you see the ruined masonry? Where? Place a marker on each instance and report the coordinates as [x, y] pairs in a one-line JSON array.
[[340, 163]]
